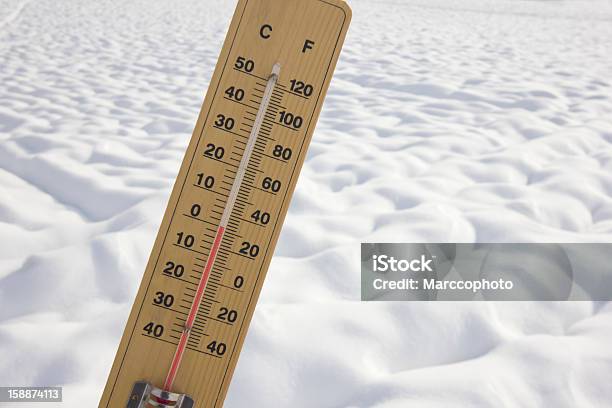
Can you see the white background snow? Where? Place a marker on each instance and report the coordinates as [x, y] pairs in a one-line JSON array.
[[477, 121]]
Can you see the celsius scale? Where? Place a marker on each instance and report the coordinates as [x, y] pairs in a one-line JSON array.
[[198, 293]]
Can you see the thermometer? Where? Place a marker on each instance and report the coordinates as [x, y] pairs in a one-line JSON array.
[[198, 293]]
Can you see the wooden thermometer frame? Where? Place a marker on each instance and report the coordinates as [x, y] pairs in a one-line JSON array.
[[247, 104]]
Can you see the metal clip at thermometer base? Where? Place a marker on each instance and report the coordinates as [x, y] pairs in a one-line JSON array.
[[145, 395]]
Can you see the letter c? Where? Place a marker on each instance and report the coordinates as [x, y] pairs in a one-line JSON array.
[[265, 31]]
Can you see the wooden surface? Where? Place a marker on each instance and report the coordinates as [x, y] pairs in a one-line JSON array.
[[237, 278]]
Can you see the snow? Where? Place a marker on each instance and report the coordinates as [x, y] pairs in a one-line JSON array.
[[446, 121]]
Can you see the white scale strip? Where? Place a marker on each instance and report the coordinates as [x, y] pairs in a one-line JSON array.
[[248, 150]]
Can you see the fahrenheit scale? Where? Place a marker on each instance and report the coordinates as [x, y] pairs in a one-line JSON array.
[[190, 317]]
